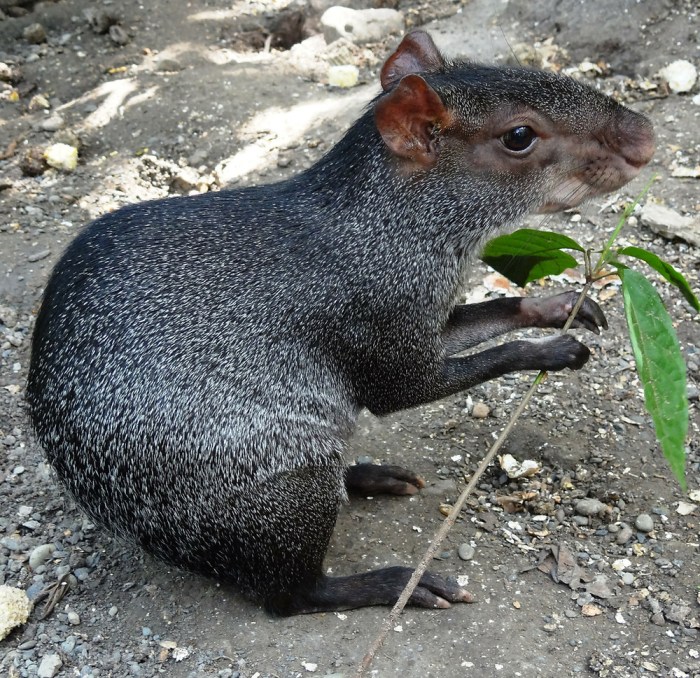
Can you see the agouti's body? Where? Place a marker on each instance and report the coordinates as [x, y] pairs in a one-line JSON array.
[[199, 362]]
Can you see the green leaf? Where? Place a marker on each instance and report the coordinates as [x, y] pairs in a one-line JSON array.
[[660, 366], [666, 270], [526, 255]]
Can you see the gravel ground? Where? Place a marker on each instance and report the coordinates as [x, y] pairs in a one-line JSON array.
[[586, 568]]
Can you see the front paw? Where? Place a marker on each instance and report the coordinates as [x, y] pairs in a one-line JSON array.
[[555, 311], [557, 353]]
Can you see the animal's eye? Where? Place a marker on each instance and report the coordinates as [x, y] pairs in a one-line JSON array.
[[519, 138]]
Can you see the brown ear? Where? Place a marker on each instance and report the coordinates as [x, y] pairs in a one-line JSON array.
[[406, 117], [417, 53]]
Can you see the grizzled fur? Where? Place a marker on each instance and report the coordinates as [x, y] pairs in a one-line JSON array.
[[199, 362]]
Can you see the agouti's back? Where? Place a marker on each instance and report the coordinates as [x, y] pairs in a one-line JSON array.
[[199, 362]]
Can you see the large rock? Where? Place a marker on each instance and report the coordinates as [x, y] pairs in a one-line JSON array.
[[669, 224], [360, 25]]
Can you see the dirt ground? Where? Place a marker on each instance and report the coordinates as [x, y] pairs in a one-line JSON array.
[[192, 100]]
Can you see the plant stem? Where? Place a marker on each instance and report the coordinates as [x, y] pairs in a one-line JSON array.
[[450, 520], [621, 222]]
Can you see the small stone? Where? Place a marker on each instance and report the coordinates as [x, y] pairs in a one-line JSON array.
[[360, 25], [9, 73], [118, 35], [35, 33], [345, 75], [680, 76], [38, 256], [589, 507], [581, 521], [480, 410], [52, 124], [73, 618], [99, 19], [284, 160], [670, 224], [68, 645], [62, 156], [658, 619], [50, 666], [112, 611], [33, 163], [186, 179], [15, 607], [466, 551], [678, 613], [40, 555], [627, 578], [624, 535], [644, 523]]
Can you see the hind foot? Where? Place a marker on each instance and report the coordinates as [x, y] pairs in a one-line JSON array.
[[379, 587], [372, 479]]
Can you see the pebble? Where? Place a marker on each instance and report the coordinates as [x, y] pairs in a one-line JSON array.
[[344, 75], [680, 76], [118, 35], [644, 522], [40, 555], [627, 578], [466, 551], [62, 156], [35, 33], [50, 666], [360, 25], [581, 521], [38, 256], [99, 19], [589, 507], [52, 124], [73, 618], [624, 535], [68, 645], [480, 411]]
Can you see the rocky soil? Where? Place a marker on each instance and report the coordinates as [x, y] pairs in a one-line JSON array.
[[589, 567]]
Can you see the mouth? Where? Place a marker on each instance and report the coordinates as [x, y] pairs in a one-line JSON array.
[[568, 194]]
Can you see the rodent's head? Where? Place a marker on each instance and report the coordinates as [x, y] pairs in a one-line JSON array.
[[557, 136]]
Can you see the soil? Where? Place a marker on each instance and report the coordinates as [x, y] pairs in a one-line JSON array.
[[194, 100]]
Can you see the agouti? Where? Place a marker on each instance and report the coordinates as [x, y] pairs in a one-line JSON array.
[[199, 362]]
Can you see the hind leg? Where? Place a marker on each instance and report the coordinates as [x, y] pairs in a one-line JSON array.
[[282, 541]]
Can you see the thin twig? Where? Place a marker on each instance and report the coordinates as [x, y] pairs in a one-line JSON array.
[[447, 524]]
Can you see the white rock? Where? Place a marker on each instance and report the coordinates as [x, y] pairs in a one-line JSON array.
[[669, 224], [480, 410], [680, 76], [346, 75], [50, 665], [14, 609], [360, 25], [40, 555], [62, 156]]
